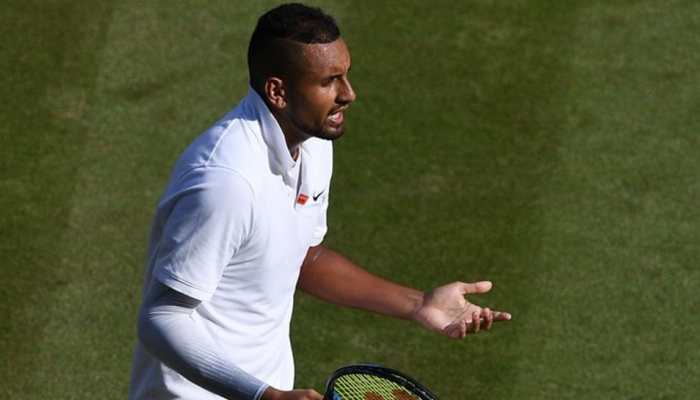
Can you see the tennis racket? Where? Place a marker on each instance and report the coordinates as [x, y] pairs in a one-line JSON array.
[[373, 382]]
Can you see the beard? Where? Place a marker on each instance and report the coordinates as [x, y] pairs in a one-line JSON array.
[[323, 132]]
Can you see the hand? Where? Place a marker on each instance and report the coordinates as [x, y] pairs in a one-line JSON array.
[[447, 311], [300, 394]]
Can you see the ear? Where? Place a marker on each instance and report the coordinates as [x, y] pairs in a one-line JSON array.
[[276, 93]]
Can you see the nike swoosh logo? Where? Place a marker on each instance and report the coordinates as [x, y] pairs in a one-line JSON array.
[[316, 196]]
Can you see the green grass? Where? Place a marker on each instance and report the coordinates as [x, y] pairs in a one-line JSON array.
[[549, 146]]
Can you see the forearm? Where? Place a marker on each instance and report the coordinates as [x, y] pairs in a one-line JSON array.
[[331, 277], [168, 332]]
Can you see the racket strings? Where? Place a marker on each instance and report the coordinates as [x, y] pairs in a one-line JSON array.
[[369, 387]]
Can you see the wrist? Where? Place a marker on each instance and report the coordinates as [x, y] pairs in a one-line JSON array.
[[417, 299], [271, 394]]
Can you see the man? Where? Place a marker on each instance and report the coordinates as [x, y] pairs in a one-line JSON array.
[[240, 227]]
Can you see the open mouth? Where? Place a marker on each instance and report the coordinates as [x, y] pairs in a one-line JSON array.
[[337, 117]]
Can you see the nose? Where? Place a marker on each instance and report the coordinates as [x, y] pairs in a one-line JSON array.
[[346, 94]]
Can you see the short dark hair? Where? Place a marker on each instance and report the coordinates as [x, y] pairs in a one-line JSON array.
[[269, 49]]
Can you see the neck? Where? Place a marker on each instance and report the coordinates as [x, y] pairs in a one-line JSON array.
[[294, 152], [292, 136]]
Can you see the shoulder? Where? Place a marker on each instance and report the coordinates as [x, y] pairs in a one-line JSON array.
[[212, 188], [232, 144]]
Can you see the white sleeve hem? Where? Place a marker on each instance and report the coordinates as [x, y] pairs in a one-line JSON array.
[[318, 235], [167, 332], [261, 391], [182, 286]]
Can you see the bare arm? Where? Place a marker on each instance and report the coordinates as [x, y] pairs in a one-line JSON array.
[[329, 276]]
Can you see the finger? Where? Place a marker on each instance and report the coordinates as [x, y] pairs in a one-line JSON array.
[[449, 331], [472, 327], [477, 322], [463, 329], [487, 314], [476, 287], [314, 395], [459, 331], [452, 330], [501, 316]]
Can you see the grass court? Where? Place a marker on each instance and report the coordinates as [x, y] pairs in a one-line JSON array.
[[550, 146]]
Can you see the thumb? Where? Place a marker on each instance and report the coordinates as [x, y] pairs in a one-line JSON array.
[[476, 287], [316, 395]]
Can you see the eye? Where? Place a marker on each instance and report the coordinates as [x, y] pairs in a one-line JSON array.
[[331, 79]]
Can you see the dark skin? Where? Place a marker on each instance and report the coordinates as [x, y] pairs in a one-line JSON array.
[[310, 97], [309, 101]]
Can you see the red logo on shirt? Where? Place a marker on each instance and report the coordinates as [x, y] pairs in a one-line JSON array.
[[302, 199]]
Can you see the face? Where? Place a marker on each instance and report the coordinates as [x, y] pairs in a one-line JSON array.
[[319, 92]]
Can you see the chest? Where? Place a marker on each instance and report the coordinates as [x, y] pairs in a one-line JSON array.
[[288, 211]]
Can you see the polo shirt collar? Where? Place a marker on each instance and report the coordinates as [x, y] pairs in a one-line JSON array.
[[280, 161]]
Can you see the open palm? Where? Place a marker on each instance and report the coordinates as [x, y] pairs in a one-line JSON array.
[[447, 311]]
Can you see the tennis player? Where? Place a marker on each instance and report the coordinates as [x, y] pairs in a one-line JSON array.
[[241, 225]]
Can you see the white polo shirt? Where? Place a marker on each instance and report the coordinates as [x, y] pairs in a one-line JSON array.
[[232, 230]]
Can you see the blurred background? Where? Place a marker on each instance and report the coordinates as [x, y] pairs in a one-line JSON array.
[[551, 147]]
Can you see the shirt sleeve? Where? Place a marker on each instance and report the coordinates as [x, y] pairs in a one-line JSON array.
[[321, 153], [321, 227], [210, 217]]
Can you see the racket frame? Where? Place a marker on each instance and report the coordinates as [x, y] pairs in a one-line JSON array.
[[411, 385]]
